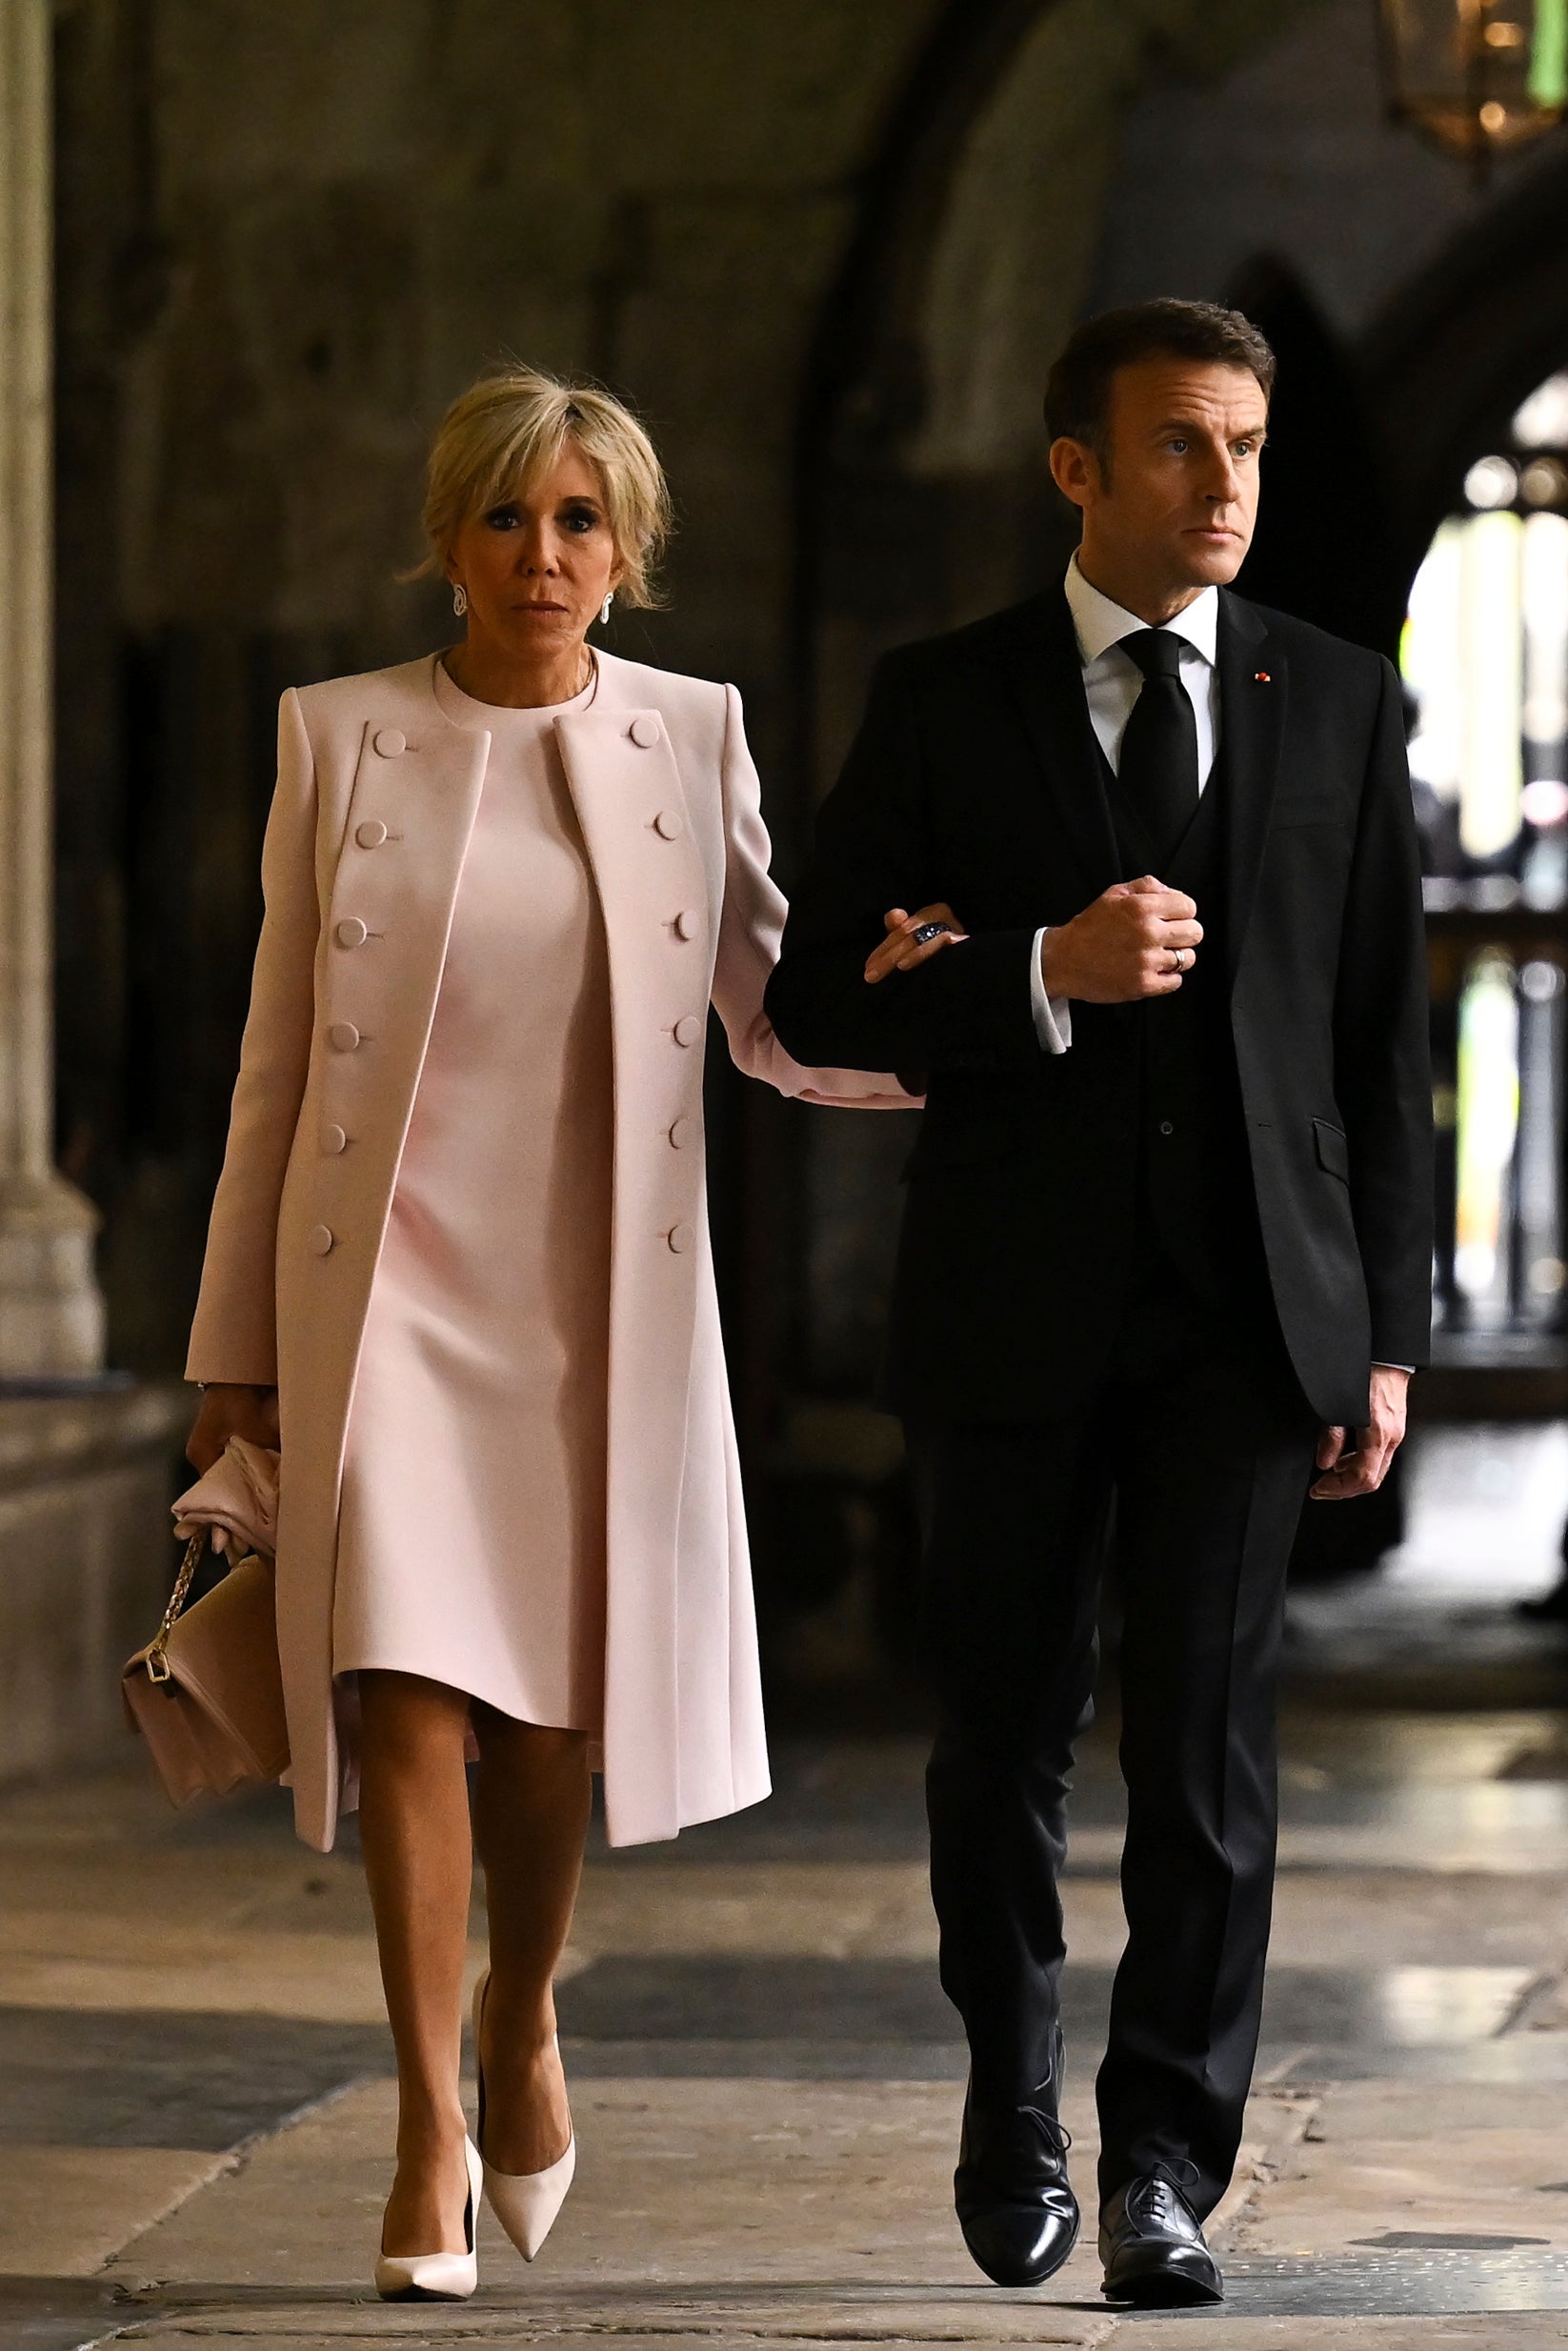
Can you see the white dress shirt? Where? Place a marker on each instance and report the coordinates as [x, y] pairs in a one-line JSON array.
[[1112, 682]]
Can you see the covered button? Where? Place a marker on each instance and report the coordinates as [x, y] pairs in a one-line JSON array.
[[391, 742], [322, 1237], [688, 1030], [351, 931], [669, 824], [371, 834], [681, 1132], [680, 1237], [343, 1036], [645, 732], [686, 924], [333, 1140]]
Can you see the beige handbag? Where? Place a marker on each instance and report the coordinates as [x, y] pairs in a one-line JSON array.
[[206, 1693]]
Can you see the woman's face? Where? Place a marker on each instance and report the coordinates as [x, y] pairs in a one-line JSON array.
[[538, 567]]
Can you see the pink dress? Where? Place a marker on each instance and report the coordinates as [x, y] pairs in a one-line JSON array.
[[472, 1539]]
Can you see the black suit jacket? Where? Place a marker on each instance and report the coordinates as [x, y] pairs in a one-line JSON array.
[[976, 777]]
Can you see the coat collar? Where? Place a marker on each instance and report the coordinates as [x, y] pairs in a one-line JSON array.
[[621, 688]]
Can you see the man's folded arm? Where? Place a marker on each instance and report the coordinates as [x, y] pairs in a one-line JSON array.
[[970, 1007]]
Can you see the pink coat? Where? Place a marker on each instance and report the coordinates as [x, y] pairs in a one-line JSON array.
[[668, 800]]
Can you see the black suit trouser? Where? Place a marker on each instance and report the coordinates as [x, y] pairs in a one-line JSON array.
[[1200, 1433]]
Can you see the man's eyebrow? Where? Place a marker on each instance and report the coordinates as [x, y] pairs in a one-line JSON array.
[[1194, 424]]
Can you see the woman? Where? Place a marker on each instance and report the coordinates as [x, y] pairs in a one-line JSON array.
[[459, 1267]]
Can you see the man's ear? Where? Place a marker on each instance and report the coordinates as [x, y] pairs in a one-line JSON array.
[[1075, 471]]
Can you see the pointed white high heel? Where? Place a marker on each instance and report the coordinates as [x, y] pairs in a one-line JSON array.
[[526, 2203], [437, 2276]]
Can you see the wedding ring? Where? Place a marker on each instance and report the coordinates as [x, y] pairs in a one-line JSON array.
[[927, 930]]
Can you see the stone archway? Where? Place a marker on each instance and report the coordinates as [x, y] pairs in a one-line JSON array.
[[921, 497], [1469, 339]]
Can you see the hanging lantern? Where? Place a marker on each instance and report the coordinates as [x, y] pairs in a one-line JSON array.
[[1476, 77]]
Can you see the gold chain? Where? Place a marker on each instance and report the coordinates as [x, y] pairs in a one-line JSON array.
[[157, 1657]]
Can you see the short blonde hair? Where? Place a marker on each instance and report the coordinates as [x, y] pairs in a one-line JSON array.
[[509, 428]]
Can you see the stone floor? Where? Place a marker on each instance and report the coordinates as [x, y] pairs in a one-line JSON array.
[[196, 2111]]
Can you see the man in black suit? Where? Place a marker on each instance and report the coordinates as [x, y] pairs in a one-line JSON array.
[[1167, 1237]]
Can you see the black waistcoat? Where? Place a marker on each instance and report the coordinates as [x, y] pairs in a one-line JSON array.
[[1197, 1208]]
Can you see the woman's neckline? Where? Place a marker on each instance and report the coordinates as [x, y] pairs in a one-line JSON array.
[[447, 688]]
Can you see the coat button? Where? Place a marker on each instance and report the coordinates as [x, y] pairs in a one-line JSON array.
[[688, 1030], [322, 1238], [681, 1132], [1167, 1126], [686, 924], [353, 933], [680, 1237], [343, 1036], [371, 834], [645, 732], [392, 742], [333, 1140], [669, 824]]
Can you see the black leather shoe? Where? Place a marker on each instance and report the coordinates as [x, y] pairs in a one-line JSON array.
[[1154, 2251], [1015, 2207]]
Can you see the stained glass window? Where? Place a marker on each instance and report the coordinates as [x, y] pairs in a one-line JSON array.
[[1485, 661]]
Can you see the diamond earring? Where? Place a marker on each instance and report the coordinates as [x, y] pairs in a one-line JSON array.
[[604, 608], [459, 599]]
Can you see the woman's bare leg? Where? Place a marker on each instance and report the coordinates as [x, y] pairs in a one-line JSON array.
[[531, 1813], [414, 1821]]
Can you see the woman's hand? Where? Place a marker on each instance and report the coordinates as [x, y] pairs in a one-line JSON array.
[[900, 950], [232, 1411]]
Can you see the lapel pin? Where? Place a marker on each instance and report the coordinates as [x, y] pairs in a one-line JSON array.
[[1261, 677]]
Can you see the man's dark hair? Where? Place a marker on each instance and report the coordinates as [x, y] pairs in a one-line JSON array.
[[1077, 396]]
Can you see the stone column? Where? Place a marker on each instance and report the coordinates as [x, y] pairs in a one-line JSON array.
[[51, 1317]]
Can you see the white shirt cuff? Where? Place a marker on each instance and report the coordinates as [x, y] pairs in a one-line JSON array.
[[1053, 1014]]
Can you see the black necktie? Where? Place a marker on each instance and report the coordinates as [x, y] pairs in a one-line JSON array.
[[1158, 770]]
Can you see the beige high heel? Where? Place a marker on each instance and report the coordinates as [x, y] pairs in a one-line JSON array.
[[437, 2276], [526, 2203]]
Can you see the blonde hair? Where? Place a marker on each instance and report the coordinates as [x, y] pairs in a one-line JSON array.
[[510, 428]]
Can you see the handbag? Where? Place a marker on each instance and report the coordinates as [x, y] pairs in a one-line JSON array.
[[207, 1691]]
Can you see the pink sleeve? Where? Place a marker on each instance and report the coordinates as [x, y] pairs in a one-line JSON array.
[[750, 930], [234, 1333]]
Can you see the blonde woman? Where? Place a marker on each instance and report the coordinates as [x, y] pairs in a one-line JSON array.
[[459, 1266]]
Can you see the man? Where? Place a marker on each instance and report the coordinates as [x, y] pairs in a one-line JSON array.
[[1166, 1235]]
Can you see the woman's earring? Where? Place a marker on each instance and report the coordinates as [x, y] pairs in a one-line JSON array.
[[459, 599], [604, 608]]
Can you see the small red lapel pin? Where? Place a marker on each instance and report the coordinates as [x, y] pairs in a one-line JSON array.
[[1261, 677]]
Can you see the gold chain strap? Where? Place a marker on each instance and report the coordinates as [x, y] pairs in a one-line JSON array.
[[157, 1657]]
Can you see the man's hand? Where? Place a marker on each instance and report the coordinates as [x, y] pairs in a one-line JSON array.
[[1136, 941], [900, 952], [231, 1411], [1363, 1469]]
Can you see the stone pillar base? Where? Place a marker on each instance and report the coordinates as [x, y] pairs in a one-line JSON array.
[[86, 1561], [51, 1310]]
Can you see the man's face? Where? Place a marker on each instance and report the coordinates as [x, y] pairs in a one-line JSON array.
[[1175, 507]]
